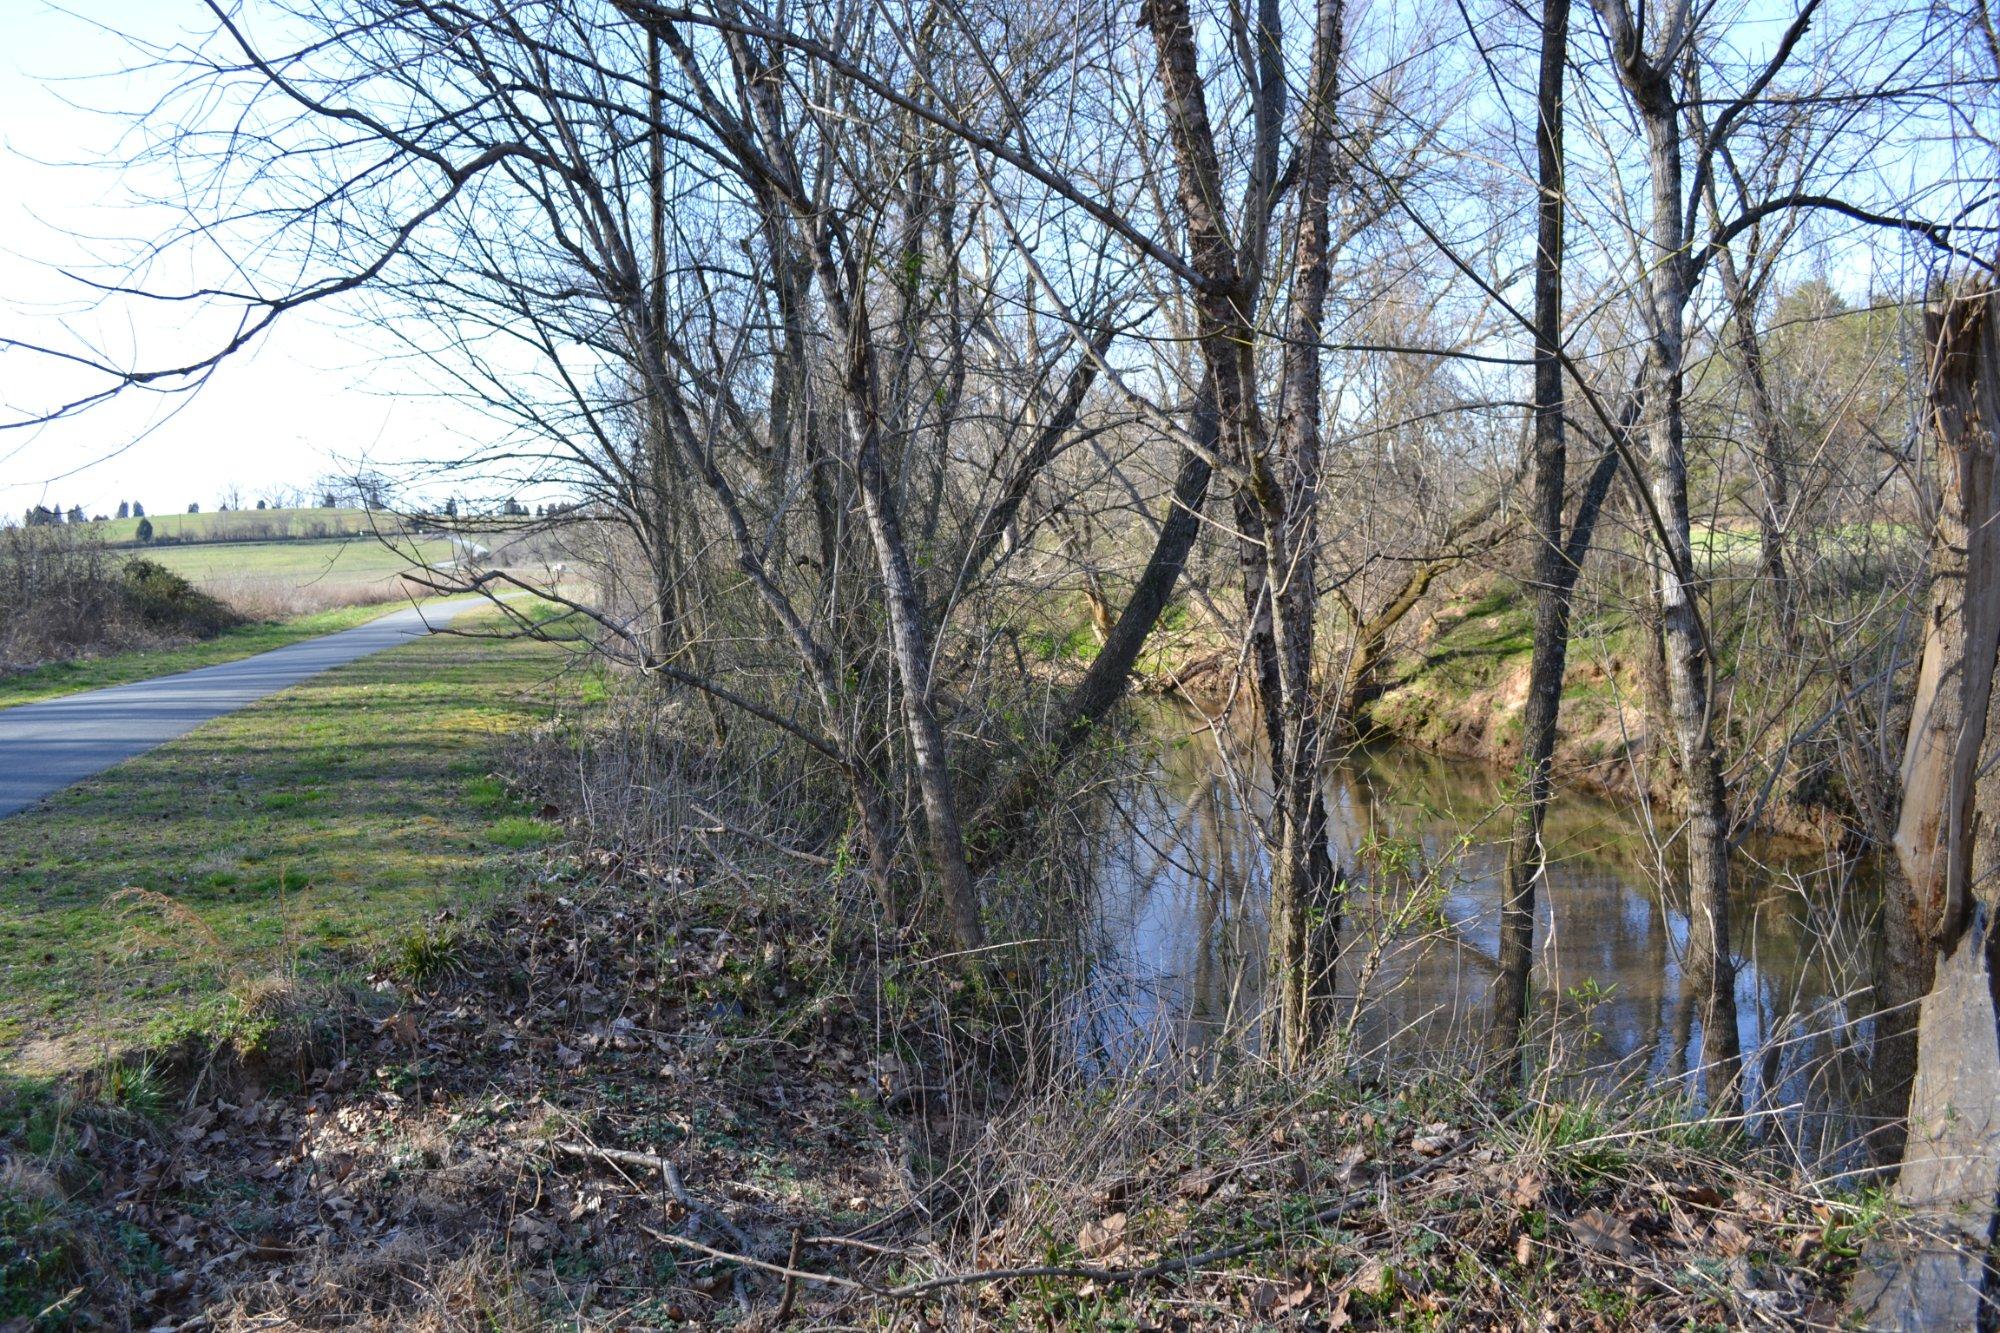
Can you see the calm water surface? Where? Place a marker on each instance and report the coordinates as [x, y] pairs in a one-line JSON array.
[[1182, 892]]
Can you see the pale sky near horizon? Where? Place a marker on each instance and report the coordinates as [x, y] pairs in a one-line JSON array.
[[310, 395]]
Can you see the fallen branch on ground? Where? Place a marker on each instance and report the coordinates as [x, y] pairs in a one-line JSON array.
[[668, 1173]]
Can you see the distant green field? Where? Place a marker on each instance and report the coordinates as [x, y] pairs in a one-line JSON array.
[[246, 525], [358, 559], [1738, 541]]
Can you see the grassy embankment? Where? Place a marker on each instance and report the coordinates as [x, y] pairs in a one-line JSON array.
[[299, 836], [1461, 686]]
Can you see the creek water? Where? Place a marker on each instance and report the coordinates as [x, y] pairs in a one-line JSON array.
[[1181, 892]]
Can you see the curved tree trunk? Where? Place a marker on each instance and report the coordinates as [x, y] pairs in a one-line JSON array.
[[1360, 682]]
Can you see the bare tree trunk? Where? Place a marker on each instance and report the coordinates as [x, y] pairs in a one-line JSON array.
[[1913, 891], [1926, 896], [1651, 650], [1555, 574], [660, 556], [1771, 449], [1253, 541], [1371, 635], [1773, 457], [1305, 907], [1359, 684], [1103, 685], [1704, 804], [912, 651], [839, 284], [1277, 503]]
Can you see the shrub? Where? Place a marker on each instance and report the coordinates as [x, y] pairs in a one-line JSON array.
[[144, 532], [164, 600], [63, 595]]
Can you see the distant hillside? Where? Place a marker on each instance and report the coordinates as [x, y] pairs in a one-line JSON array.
[[247, 525], [299, 562]]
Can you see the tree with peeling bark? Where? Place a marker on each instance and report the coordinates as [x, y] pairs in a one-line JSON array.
[[1950, 1174]]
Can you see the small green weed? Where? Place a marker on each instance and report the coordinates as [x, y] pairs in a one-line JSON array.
[[425, 956], [134, 1086], [518, 831]]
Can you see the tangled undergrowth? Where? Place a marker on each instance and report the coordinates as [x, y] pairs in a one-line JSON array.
[[517, 1145], [700, 1089], [63, 596]]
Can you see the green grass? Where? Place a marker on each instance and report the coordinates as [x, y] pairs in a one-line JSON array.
[[94, 673], [519, 831], [306, 835], [296, 563], [243, 525], [1483, 641]]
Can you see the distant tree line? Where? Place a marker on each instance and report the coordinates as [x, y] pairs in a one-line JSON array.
[[43, 516]]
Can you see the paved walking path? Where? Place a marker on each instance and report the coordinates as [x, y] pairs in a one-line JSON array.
[[46, 746]]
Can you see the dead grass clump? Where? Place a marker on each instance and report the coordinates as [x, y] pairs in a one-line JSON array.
[[1326, 1200], [268, 598], [415, 1280]]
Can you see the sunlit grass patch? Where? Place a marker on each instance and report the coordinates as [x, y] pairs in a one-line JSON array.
[[487, 793], [518, 831]]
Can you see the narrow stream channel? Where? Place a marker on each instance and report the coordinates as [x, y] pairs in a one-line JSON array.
[[1182, 891]]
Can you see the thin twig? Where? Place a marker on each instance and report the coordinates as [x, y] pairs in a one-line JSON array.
[[723, 826], [747, 1261], [668, 1173], [888, 1251]]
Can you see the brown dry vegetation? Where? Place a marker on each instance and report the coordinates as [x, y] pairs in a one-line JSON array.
[[684, 1061], [265, 599], [63, 598]]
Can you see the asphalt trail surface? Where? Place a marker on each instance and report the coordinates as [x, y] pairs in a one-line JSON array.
[[46, 746]]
